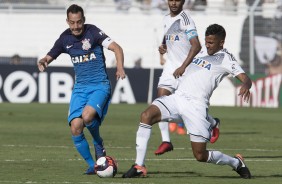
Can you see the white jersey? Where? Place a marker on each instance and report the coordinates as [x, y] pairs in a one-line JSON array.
[[205, 73], [178, 31]]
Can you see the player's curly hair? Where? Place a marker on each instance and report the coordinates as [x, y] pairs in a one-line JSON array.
[[75, 9], [217, 30]]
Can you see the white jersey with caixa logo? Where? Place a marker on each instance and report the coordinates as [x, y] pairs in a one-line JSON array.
[[178, 31], [205, 73]]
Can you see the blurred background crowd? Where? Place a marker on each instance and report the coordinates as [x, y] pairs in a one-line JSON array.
[[262, 36]]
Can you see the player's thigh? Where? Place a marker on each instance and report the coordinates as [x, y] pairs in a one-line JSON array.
[[151, 115], [77, 104], [98, 101], [164, 91], [168, 109]]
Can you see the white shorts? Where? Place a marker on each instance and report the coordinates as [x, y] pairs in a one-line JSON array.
[[168, 82], [194, 116]]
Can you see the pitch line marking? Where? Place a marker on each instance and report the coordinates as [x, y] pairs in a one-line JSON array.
[[129, 147], [132, 159]]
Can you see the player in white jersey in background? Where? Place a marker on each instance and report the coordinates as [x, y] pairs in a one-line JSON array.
[[181, 44], [190, 103], [173, 127]]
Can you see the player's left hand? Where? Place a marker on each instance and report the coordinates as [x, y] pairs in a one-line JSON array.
[[120, 74], [245, 93], [178, 72], [162, 49]]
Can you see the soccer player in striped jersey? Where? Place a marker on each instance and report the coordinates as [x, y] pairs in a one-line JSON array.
[[92, 90], [190, 103], [181, 44]]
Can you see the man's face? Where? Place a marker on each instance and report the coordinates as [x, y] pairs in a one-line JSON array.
[[76, 23], [175, 6], [213, 44]]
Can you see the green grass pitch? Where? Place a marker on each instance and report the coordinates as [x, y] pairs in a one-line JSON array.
[[36, 147]]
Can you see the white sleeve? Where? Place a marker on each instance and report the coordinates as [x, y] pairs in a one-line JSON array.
[[189, 29], [107, 42], [233, 67]]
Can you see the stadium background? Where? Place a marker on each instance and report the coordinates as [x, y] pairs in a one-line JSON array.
[[29, 29]]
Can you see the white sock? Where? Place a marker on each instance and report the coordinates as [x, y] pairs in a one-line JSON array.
[[211, 120], [142, 138], [216, 157], [164, 131]]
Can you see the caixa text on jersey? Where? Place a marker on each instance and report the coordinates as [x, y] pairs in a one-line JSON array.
[[83, 58]]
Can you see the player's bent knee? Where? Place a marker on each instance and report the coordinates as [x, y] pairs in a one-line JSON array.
[[76, 127], [200, 157], [87, 117], [145, 117], [151, 115], [88, 114]]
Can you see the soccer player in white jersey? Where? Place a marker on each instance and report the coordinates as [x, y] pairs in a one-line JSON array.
[[190, 103], [181, 44]]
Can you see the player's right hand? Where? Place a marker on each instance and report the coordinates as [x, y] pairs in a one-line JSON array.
[[42, 64], [178, 72]]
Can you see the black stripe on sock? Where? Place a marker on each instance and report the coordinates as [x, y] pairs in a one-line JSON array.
[[143, 125]]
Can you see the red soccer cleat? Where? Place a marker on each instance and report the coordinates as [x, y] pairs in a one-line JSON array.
[[163, 148], [215, 131]]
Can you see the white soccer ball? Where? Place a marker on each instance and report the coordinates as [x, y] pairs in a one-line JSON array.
[[106, 167]]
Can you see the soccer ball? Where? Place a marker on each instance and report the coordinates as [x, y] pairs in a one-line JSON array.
[[106, 167]]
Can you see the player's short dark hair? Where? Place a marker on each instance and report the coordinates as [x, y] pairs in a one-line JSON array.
[[217, 30], [75, 9]]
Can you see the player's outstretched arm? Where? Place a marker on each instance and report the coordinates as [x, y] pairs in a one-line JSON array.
[[43, 63], [245, 88], [119, 58]]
